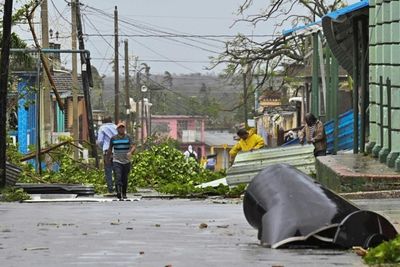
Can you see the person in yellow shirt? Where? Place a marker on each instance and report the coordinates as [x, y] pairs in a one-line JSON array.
[[249, 141]]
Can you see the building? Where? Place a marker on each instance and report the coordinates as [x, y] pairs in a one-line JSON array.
[[218, 144], [188, 130]]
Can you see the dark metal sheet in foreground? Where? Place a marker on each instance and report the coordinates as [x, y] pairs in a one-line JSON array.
[[80, 190], [290, 208]]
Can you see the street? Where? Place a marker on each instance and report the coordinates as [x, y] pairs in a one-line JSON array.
[[150, 232]]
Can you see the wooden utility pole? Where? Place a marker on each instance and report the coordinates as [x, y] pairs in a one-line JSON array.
[[75, 86], [4, 66], [116, 67], [86, 81], [46, 99], [245, 98], [127, 102]]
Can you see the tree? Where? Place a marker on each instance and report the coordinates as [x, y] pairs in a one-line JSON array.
[[267, 56], [4, 66], [97, 90]]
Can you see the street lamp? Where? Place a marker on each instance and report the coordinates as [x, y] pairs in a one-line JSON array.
[[143, 89]]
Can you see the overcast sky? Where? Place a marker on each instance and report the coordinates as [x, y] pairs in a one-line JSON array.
[[144, 23]]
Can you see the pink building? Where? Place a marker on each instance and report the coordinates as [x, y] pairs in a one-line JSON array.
[[188, 130]]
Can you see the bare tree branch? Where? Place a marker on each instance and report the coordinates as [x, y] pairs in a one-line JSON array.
[[270, 53]]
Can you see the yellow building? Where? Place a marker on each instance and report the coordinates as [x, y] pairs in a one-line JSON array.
[[219, 143]]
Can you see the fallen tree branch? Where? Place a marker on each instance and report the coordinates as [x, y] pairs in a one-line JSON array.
[[43, 59], [44, 151]]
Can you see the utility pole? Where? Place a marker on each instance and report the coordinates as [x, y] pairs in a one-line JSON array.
[[4, 66], [75, 87], [137, 119], [144, 108], [245, 86], [86, 81], [127, 102], [116, 67], [46, 99]]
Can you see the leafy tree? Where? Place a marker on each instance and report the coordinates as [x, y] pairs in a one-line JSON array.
[[97, 90], [18, 61]]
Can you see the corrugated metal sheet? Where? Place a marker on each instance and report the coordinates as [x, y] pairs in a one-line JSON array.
[[346, 129], [249, 164], [311, 27], [346, 10], [303, 29], [338, 31], [12, 174]]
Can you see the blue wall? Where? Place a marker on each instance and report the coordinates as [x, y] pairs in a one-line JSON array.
[[26, 113]]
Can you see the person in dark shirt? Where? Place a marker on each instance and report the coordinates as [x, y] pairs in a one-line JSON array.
[[314, 133], [121, 148]]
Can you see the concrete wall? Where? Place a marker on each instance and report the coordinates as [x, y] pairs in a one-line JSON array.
[[384, 56]]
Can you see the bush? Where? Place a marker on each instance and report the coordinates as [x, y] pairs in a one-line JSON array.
[[12, 194], [165, 168], [160, 165], [69, 171], [385, 253]]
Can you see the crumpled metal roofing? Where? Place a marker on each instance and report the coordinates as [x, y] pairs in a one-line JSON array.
[[249, 164]]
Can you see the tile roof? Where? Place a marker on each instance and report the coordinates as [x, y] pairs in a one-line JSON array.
[[63, 82]]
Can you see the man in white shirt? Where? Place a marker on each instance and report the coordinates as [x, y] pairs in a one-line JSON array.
[[107, 130], [190, 153]]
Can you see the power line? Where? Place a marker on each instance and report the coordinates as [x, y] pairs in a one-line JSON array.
[[59, 13], [145, 26], [155, 52], [183, 35], [155, 60], [172, 61], [182, 17], [152, 50], [155, 28], [165, 35], [110, 45], [107, 42]]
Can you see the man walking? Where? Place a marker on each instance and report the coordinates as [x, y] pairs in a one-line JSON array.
[[106, 131], [122, 147], [190, 153]]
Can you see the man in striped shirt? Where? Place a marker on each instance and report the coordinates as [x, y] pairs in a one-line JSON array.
[[122, 147], [107, 130]]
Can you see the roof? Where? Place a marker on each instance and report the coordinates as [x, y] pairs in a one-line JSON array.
[[270, 94], [219, 139], [338, 30], [181, 117], [303, 29], [343, 11], [316, 26], [63, 81], [339, 33]]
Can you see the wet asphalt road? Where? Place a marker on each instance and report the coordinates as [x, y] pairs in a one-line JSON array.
[[150, 233]]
